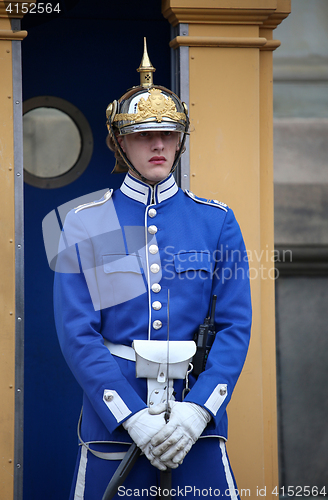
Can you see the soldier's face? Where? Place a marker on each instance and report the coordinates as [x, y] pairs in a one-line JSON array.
[[151, 153]]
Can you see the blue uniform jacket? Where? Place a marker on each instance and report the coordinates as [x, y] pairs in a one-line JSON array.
[[117, 259]]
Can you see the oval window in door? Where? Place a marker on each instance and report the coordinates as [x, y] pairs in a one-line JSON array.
[[57, 142]]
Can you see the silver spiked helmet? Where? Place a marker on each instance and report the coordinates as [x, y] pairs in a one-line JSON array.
[[147, 107]]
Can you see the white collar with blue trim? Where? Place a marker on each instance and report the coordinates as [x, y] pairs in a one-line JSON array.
[[146, 194]]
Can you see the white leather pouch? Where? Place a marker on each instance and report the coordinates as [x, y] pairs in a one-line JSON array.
[[151, 358]]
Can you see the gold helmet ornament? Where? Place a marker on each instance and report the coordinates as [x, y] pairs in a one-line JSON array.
[[145, 108]]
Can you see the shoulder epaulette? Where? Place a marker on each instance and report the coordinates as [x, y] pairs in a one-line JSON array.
[[213, 203], [107, 196]]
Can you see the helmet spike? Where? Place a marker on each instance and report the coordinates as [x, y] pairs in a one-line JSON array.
[[146, 69]]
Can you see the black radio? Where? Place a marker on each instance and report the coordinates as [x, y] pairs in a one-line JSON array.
[[204, 339]]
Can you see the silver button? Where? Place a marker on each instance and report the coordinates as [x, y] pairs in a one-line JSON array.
[[157, 324], [222, 392], [156, 287], [152, 212], [154, 268], [152, 229], [109, 397], [153, 249], [156, 305]]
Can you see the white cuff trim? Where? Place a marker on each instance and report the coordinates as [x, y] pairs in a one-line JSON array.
[[116, 405], [216, 398]]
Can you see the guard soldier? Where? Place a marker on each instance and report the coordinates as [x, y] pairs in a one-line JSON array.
[[128, 346]]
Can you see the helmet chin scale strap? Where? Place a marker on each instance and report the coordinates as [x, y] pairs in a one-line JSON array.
[[176, 161]]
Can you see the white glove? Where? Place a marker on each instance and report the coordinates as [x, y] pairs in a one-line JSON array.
[[187, 421], [142, 427]]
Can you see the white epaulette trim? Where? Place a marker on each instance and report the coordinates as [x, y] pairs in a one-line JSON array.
[[107, 196], [213, 203]]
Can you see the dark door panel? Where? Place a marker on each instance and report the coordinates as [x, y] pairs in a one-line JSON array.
[[87, 58]]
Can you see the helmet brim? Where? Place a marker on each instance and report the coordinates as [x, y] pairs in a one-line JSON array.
[[151, 126]]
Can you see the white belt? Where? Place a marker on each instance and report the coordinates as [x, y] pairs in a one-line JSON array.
[[120, 350]]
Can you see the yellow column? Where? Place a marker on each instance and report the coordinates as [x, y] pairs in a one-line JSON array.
[[230, 81], [7, 268], [7, 261], [267, 243]]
